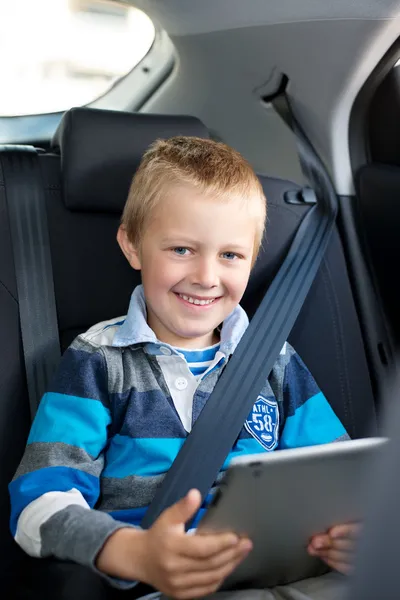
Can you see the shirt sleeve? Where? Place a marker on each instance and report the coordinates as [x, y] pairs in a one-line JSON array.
[[308, 419], [57, 482]]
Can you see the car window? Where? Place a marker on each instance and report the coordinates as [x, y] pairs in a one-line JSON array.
[[55, 54]]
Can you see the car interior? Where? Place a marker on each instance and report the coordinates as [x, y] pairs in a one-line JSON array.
[[212, 71]]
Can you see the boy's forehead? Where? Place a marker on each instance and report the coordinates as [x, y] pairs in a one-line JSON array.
[[183, 200], [178, 214]]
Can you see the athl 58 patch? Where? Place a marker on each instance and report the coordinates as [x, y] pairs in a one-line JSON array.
[[263, 422]]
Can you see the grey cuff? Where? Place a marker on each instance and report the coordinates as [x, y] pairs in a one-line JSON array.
[[78, 534]]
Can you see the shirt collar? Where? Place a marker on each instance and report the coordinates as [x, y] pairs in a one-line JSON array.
[[135, 330]]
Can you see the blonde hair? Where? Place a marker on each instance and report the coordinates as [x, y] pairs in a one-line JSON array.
[[208, 166]]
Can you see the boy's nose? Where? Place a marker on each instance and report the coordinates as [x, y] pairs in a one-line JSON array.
[[206, 274]]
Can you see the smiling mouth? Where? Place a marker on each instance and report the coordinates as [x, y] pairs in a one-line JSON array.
[[197, 301]]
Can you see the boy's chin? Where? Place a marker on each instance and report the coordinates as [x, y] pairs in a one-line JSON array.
[[193, 337], [199, 335]]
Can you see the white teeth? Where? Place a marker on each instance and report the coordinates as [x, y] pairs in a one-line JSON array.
[[195, 300]]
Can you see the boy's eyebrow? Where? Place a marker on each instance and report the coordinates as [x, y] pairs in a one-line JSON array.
[[238, 247], [178, 238]]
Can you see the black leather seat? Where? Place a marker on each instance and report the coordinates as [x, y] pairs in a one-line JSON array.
[[86, 179]]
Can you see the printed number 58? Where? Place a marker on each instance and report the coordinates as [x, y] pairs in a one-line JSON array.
[[262, 422]]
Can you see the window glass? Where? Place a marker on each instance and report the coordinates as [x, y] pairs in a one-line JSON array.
[[55, 54]]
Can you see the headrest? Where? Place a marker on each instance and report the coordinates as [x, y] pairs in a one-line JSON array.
[[101, 150]]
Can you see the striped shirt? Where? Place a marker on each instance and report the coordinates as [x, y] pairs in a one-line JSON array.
[[116, 416], [199, 360]]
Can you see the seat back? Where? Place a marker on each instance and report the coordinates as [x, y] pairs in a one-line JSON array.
[[86, 179], [378, 189]]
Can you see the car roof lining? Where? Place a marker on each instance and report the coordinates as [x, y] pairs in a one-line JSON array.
[[220, 74], [188, 17]]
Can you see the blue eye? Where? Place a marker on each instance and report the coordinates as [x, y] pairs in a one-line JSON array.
[[180, 250], [229, 255]]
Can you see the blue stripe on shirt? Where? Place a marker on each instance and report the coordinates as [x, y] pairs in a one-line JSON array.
[[146, 457], [198, 361], [75, 421], [313, 423], [140, 456], [243, 447], [118, 324], [201, 355], [198, 370], [29, 487], [133, 516]]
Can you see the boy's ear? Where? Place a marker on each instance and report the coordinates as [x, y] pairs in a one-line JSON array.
[[131, 254]]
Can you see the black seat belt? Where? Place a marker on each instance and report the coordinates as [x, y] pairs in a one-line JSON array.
[[221, 420], [26, 205]]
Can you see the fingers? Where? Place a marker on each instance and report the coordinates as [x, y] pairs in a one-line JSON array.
[[344, 545], [321, 543], [340, 560], [216, 561], [180, 512], [318, 542], [202, 583], [209, 576], [337, 556], [336, 548], [350, 531], [189, 566], [205, 546], [340, 537], [342, 567], [179, 576]]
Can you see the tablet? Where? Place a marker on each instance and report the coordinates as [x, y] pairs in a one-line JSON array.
[[280, 499]]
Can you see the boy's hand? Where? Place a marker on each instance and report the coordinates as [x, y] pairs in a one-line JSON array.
[[178, 565], [189, 566], [336, 547]]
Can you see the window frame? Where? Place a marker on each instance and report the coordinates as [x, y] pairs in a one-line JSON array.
[[129, 93]]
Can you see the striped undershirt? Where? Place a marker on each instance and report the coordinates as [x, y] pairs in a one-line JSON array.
[[199, 360]]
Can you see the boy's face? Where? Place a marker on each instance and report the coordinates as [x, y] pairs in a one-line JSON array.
[[195, 257]]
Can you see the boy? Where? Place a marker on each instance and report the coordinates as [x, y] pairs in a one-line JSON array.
[[128, 391]]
